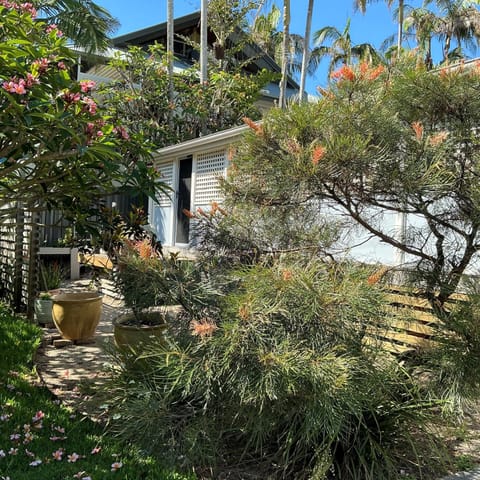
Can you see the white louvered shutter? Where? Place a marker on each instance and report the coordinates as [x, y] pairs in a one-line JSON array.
[[210, 167], [162, 210]]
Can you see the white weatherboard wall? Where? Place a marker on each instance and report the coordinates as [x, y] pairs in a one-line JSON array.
[[210, 161]]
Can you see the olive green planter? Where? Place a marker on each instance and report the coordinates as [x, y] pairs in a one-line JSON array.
[[76, 315], [43, 311], [133, 336]]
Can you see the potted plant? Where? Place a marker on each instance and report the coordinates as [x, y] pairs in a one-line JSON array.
[[43, 309], [51, 276], [142, 278]]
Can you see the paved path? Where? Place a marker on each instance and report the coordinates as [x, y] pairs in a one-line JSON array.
[[66, 371], [474, 475]]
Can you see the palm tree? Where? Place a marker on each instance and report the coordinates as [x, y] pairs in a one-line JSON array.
[[338, 46], [203, 42], [422, 23], [459, 20], [84, 22], [266, 34], [362, 6], [170, 52], [306, 49]]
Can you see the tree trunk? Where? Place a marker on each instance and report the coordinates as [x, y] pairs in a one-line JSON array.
[[306, 51], [286, 36], [170, 54], [400, 27], [203, 42], [203, 55]]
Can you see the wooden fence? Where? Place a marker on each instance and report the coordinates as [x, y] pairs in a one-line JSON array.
[[19, 242]]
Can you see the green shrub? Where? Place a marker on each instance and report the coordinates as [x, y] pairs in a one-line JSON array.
[[273, 381], [452, 366]]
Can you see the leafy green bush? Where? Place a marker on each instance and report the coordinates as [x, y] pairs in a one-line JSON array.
[[273, 381], [452, 366]]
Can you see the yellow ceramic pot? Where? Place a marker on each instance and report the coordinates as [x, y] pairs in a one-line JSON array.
[[76, 315]]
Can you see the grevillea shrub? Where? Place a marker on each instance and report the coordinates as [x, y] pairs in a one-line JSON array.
[[57, 148], [271, 379]]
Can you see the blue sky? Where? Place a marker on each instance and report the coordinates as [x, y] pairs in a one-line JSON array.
[[373, 27]]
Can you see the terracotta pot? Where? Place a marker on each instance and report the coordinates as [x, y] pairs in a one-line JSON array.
[[128, 335], [77, 314]]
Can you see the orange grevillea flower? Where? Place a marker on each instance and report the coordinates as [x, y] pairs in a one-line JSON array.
[[438, 139], [375, 277], [287, 275], [222, 211], [376, 72], [418, 129], [244, 312], [318, 153], [344, 73], [188, 213], [253, 125], [231, 153], [144, 249], [363, 67], [203, 328], [325, 93], [444, 72]]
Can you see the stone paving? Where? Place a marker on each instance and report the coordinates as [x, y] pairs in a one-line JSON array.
[[474, 475], [64, 366]]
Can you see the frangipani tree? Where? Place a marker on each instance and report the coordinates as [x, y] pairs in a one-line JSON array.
[[57, 149]]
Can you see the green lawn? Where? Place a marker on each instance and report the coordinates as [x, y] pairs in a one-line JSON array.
[[42, 439]]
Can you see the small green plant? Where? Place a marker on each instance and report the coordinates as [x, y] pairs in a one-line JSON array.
[[51, 275], [464, 463], [45, 296]]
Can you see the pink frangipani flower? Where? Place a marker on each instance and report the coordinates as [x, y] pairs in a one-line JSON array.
[[73, 457]]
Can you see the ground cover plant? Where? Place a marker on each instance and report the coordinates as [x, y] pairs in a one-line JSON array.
[[42, 439]]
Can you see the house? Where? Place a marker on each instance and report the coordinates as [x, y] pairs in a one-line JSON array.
[[191, 169], [187, 30]]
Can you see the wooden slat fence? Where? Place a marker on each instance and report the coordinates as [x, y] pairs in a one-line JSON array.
[[410, 323], [19, 259]]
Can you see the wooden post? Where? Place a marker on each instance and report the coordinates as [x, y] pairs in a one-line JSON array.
[[18, 257], [33, 264]]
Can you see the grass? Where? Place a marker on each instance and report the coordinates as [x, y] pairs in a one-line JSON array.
[[41, 438]]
